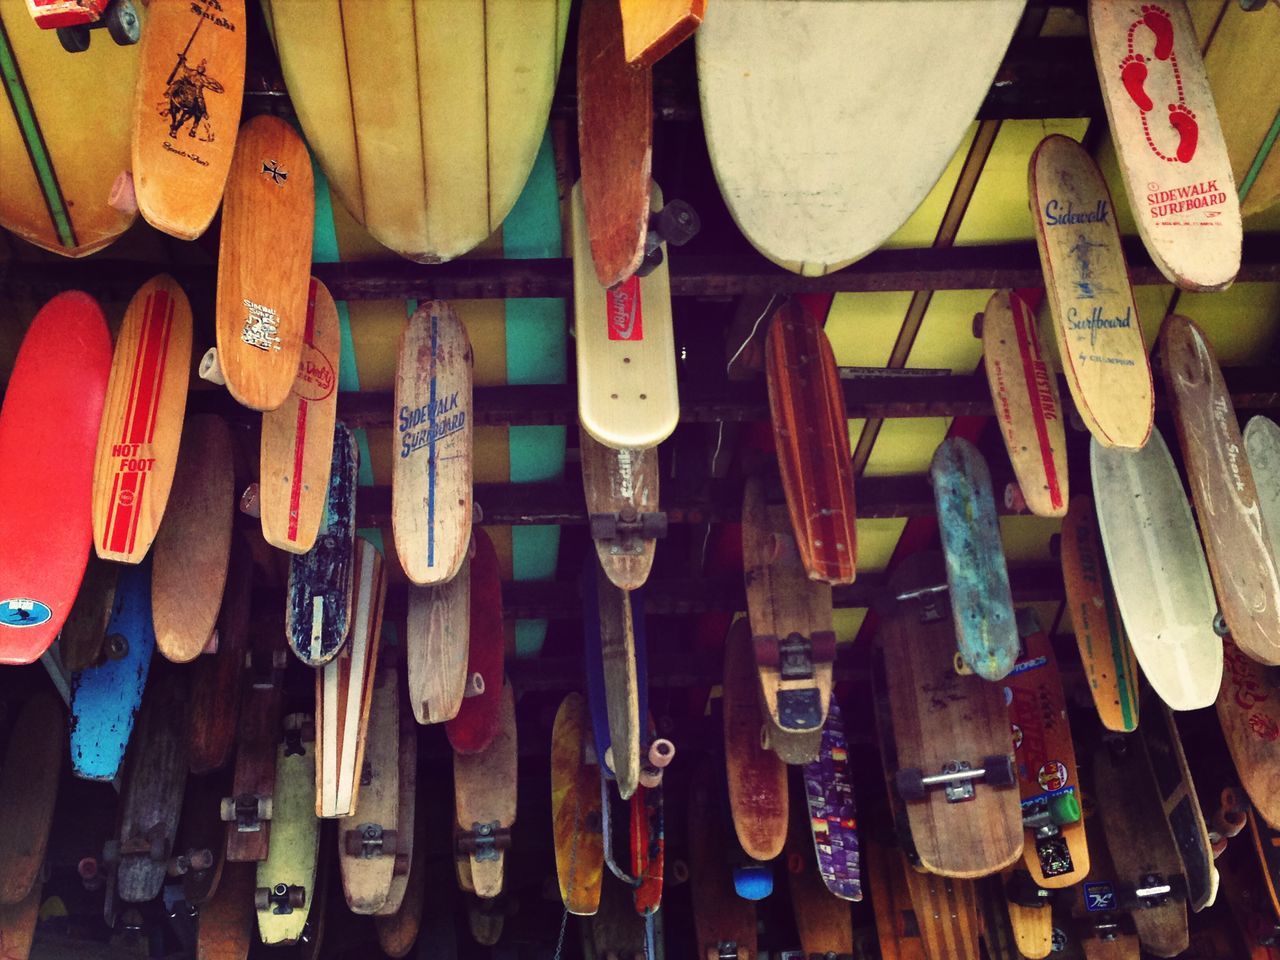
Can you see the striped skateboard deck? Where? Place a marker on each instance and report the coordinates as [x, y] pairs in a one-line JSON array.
[[653, 28], [437, 637], [479, 717], [286, 879], [575, 808], [947, 910], [621, 488]]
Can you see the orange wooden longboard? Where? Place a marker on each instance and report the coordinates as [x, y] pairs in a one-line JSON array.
[[1024, 390], [896, 924], [484, 792], [142, 421], [621, 488], [1173, 157], [575, 808], [186, 111], [226, 922], [264, 262], [297, 436], [653, 28], [947, 911], [1249, 713], [1095, 321]]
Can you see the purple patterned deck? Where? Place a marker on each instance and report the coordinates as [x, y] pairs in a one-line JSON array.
[[828, 788]]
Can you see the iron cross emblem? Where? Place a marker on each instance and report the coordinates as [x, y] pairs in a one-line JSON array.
[[272, 170]]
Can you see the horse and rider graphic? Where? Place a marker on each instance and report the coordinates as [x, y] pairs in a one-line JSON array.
[[184, 99]]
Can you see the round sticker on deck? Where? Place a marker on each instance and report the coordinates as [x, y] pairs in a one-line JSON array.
[[1052, 776], [23, 612]]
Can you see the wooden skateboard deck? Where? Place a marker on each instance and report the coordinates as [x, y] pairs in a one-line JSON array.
[[193, 548], [28, 790], [18, 925], [142, 421], [1030, 923], [947, 910], [1024, 390], [191, 66], [724, 923], [464, 107], [59, 379], [1262, 448], [621, 488], [977, 575], [226, 921], [616, 931], [437, 637], [647, 835], [406, 855], [1265, 845], [575, 808], [896, 924], [344, 693], [431, 477], [264, 262], [297, 436], [106, 696], [1095, 321], [615, 143], [258, 731], [478, 719], [398, 931], [828, 788], [1242, 559], [1054, 851], [1105, 652], [1098, 921], [484, 794], [1249, 713], [1158, 571], [613, 686], [80, 640], [321, 581], [368, 840], [52, 197], [626, 350], [1173, 158], [653, 28], [811, 435], [791, 618], [846, 167], [943, 722], [757, 777], [822, 918], [285, 885]]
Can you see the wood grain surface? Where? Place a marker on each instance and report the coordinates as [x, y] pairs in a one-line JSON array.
[[822, 919], [896, 924], [575, 808], [28, 790], [186, 111], [258, 732], [653, 28], [18, 925], [406, 807], [947, 910], [1031, 927], [264, 261], [484, 792], [398, 932], [623, 483], [621, 683], [479, 718], [295, 839], [1248, 705], [226, 921], [437, 637], [80, 640], [720, 916], [141, 426]]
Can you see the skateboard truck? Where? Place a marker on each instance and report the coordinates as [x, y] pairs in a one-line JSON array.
[[484, 841], [369, 841], [265, 673], [248, 811], [297, 728], [1025, 892], [727, 950], [1152, 890], [280, 899], [676, 223], [627, 528], [794, 658], [956, 778]]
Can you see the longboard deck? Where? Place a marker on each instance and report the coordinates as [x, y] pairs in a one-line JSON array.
[[653, 28], [575, 809], [947, 910], [286, 879], [253, 782], [226, 921], [478, 719], [822, 918], [621, 488], [1248, 706], [615, 702], [215, 679], [721, 918], [833, 822], [896, 924], [1095, 320], [484, 792], [28, 789], [407, 853], [437, 638]]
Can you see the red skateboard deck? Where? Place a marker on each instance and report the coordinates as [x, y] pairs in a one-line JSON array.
[[478, 718], [48, 438]]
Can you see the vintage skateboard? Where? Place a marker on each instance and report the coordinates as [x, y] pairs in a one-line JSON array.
[[1024, 389], [1158, 571], [399, 930], [846, 167], [226, 920], [811, 435], [369, 840], [954, 768], [59, 378], [1095, 321], [106, 696], [1242, 559], [344, 693], [621, 488], [437, 638], [199, 851], [478, 718], [297, 436], [285, 885], [1248, 902], [248, 810], [484, 794], [757, 776], [1262, 448], [264, 262], [1105, 652], [626, 351], [1098, 918], [828, 788], [1173, 158], [575, 808], [1249, 714], [80, 640], [790, 615], [616, 932], [822, 918], [321, 581], [724, 923], [1055, 851], [897, 927], [28, 789], [191, 68], [216, 679], [435, 432], [647, 836], [1027, 910], [977, 575], [406, 854], [946, 909], [142, 420], [653, 28], [611, 655], [193, 548]]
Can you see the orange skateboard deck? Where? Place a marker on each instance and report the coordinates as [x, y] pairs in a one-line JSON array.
[[653, 28], [1095, 321], [822, 919], [437, 635], [431, 477], [1242, 560], [28, 790], [1249, 713], [484, 794], [142, 422], [225, 930], [1027, 911], [215, 679], [297, 436], [811, 434], [621, 488], [193, 547], [80, 640], [1173, 157], [191, 67], [248, 810], [264, 263], [1024, 390], [724, 923], [947, 910], [575, 808]]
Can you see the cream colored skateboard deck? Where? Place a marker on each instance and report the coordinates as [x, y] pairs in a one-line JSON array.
[[434, 433], [625, 346], [407, 856], [1095, 321], [1158, 571], [621, 489], [437, 636], [1173, 157], [484, 792], [286, 879]]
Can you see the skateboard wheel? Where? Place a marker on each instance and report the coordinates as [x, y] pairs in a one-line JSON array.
[[199, 859], [910, 783], [475, 685], [677, 223], [210, 369], [767, 654], [265, 808], [122, 23], [677, 872], [389, 843], [262, 898], [977, 326], [1000, 771], [1220, 625], [652, 260], [1014, 501], [227, 809], [297, 897], [1055, 546], [1252, 5], [1065, 809], [661, 752], [753, 882], [123, 196], [74, 39], [251, 501]]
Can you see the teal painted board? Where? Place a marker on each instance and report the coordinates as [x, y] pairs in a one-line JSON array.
[[977, 576]]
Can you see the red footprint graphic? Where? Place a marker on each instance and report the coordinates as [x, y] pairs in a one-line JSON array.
[[1158, 22], [1184, 121], [1133, 74]]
